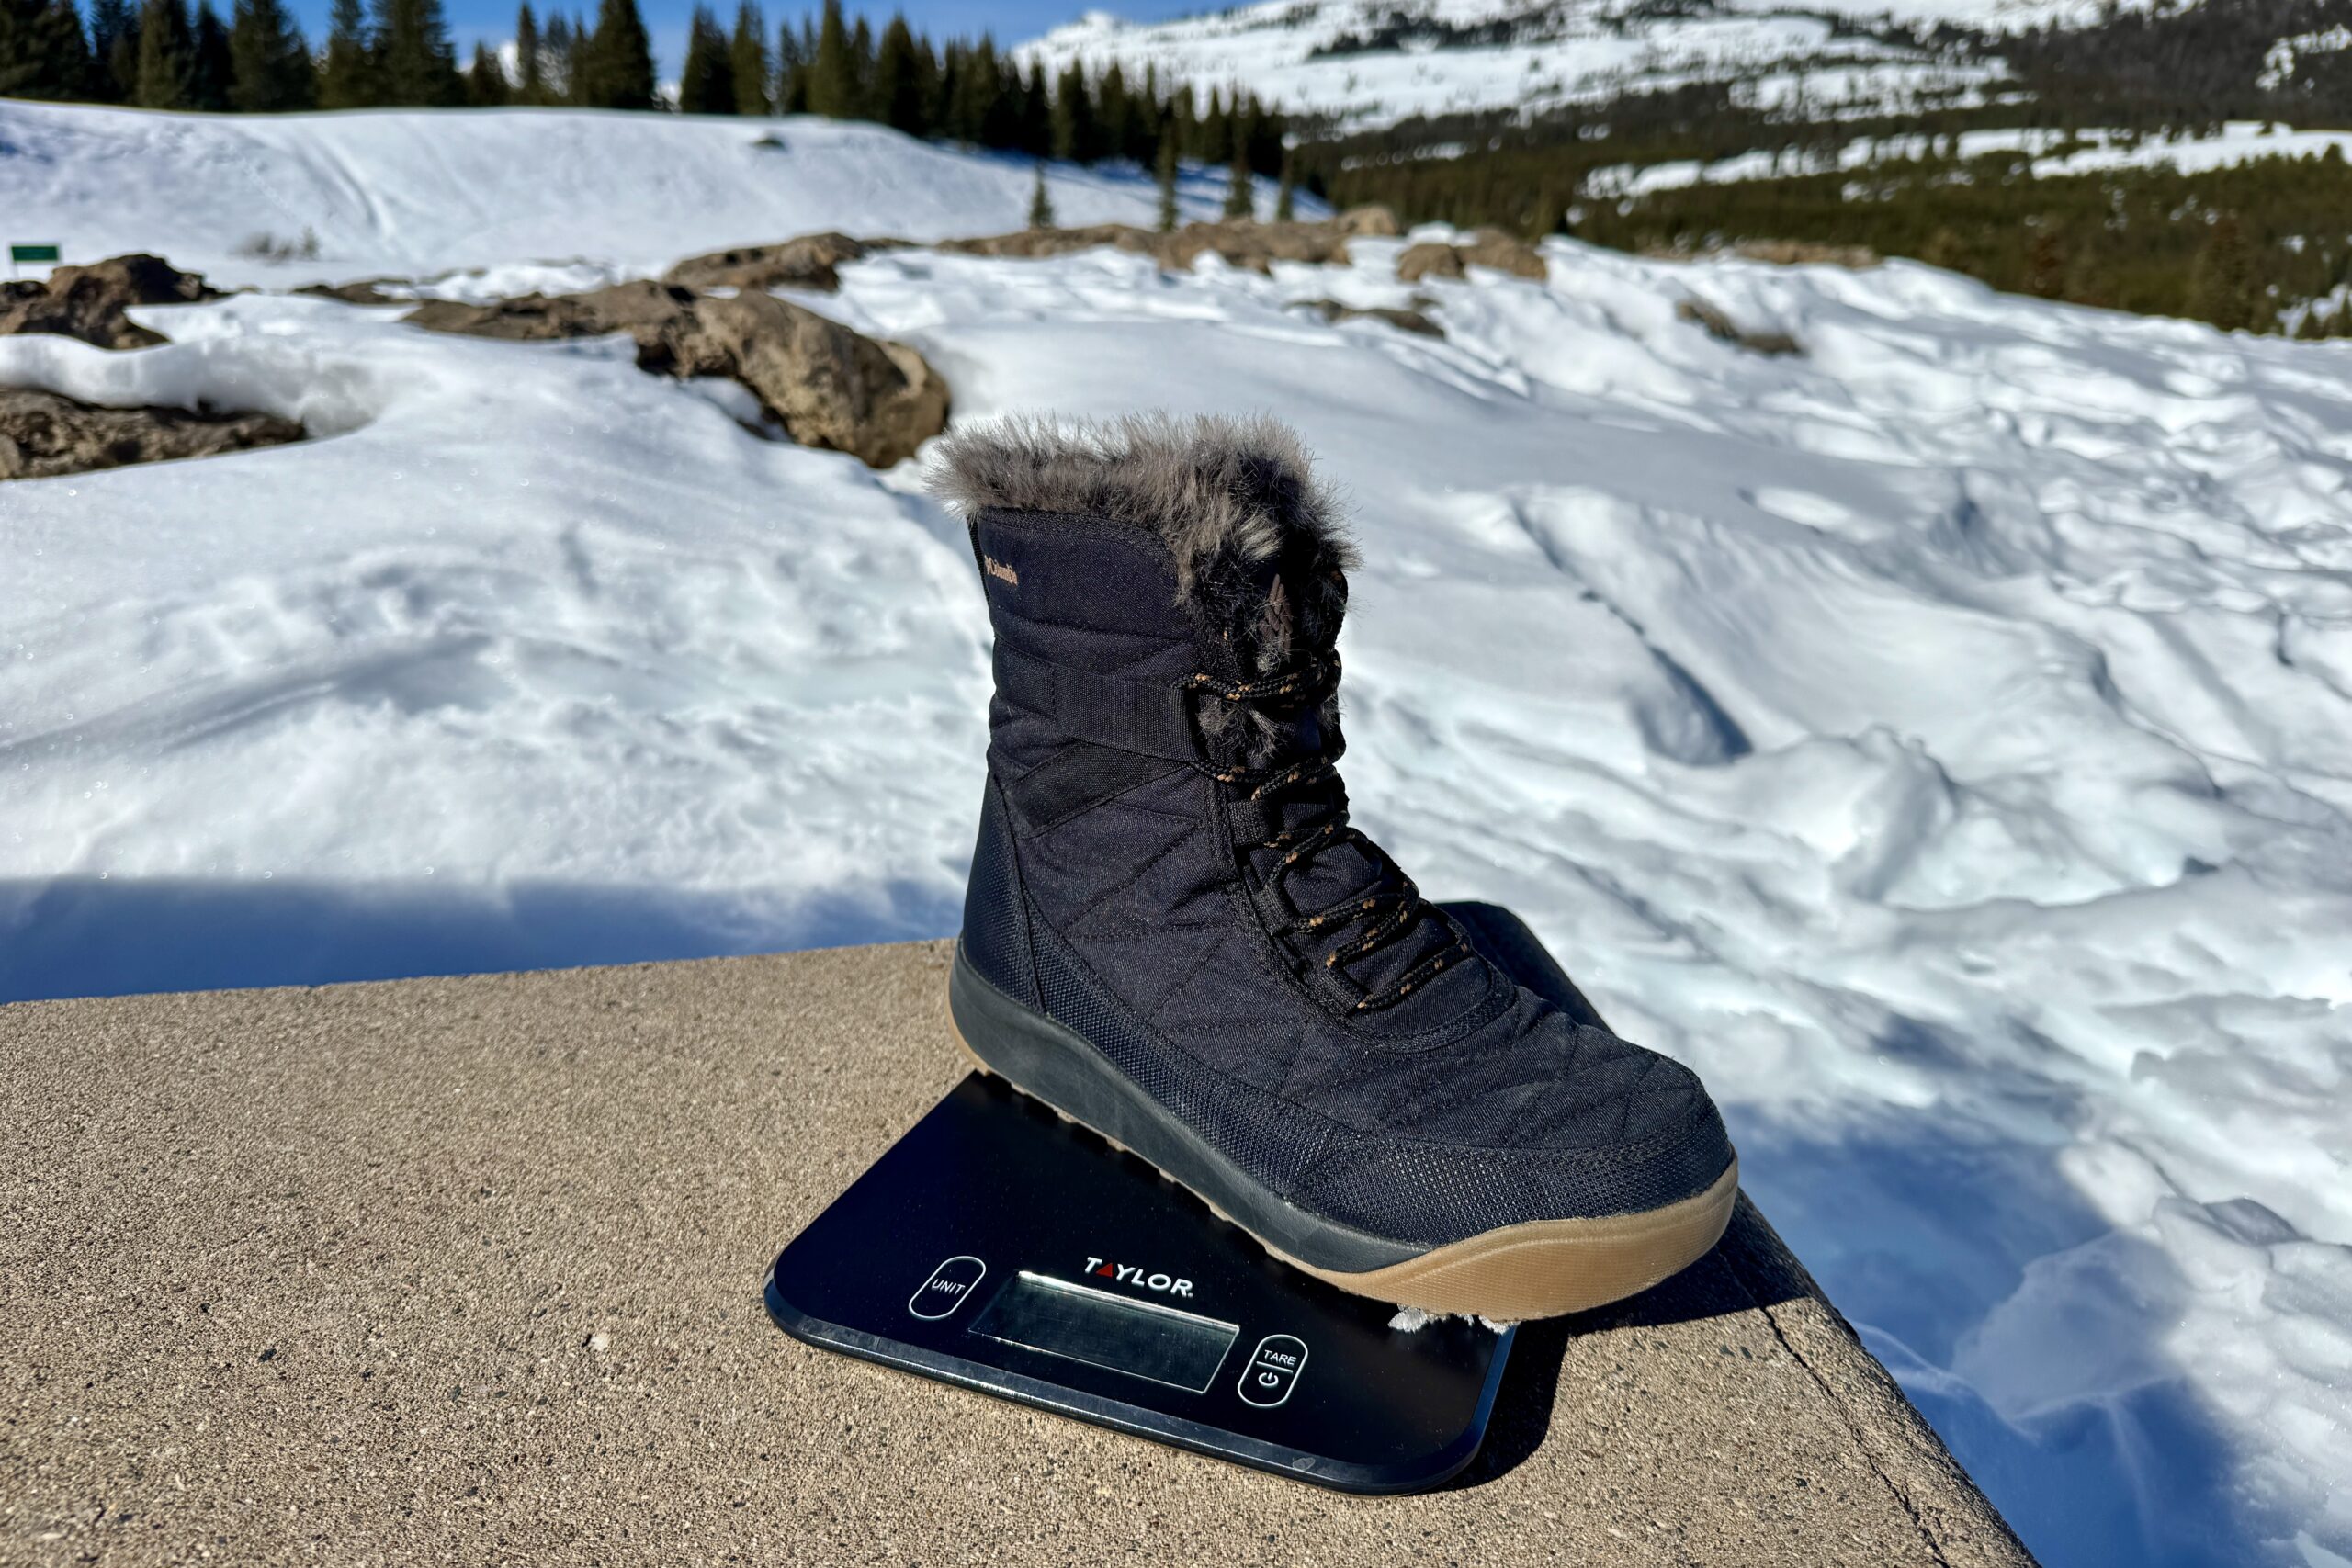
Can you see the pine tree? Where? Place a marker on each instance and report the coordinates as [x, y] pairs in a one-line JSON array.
[[747, 61], [347, 74], [1217, 139], [979, 96], [43, 51], [861, 71], [530, 69], [935, 84], [795, 54], [486, 84], [1074, 117], [166, 57], [2045, 265], [707, 82], [1283, 211], [415, 61], [1241, 195], [1041, 205], [617, 65], [1177, 122], [2222, 283], [214, 68], [115, 45], [269, 62], [1114, 131], [1258, 134], [898, 82], [561, 42], [832, 73], [1167, 174], [24, 71], [1036, 135]]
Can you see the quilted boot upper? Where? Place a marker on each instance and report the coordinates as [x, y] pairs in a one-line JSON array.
[[1167, 867]]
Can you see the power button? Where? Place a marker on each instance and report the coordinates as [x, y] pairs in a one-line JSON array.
[[1273, 1371], [948, 1285]]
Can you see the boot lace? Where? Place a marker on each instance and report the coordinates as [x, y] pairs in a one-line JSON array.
[[1384, 916]]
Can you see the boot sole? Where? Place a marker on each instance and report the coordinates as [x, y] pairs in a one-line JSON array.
[[1536, 1268]]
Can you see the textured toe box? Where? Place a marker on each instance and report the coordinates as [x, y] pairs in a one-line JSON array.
[[1550, 1122]]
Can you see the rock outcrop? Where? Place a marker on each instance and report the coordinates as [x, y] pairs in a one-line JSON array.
[[807, 261], [1806, 253], [1485, 247], [810, 261], [1034, 243], [1372, 220], [1710, 319], [1776, 253], [828, 386], [43, 435], [1240, 242], [361, 291], [92, 302], [1410, 318]]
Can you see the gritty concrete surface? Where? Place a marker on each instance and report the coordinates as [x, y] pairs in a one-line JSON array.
[[468, 1271]]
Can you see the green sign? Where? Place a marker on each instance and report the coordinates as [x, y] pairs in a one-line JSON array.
[[32, 253]]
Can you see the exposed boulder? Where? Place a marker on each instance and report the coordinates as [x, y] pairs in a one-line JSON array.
[[1412, 319], [1245, 242], [831, 387], [1806, 253], [359, 291], [1485, 247], [828, 386], [1710, 318], [1429, 259], [640, 307], [807, 261], [1373, 222], [1777, 253], [1034, 243], [1241, 241], [92, 302], [44, 434]]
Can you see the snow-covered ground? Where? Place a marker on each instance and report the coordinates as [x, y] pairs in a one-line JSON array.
[[1942, 738], [1557, 52], [276, 200]]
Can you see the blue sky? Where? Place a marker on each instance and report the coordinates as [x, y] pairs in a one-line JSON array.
[[1011, 20]]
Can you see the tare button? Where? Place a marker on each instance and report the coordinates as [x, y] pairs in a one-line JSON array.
[[1273, 1371], [948, 1285]]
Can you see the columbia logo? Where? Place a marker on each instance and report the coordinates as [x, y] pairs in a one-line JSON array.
[[1001, 572]]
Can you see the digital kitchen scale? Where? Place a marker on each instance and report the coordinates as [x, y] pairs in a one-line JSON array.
[[998, 1246]]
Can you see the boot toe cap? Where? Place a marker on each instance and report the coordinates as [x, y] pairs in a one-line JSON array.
[[1637, 1136]]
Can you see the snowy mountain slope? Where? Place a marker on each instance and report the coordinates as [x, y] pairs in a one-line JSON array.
[[1939, 738], [1366, 62], [408, 194]]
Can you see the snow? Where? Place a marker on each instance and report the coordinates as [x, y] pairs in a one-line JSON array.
[[397, 194], [1560, 53], [1941, 738]]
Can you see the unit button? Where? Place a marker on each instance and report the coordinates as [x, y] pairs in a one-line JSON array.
[[948, 1285], [1273, 1371]]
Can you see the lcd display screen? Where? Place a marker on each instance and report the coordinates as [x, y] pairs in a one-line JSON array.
[[1141, 1338]]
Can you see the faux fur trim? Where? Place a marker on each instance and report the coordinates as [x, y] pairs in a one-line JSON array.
[[1227, 496]]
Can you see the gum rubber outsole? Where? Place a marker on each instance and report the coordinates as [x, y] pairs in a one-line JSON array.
[[1537, 1269]]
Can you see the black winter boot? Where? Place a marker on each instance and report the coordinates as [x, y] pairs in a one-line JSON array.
[[1174, 935]]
